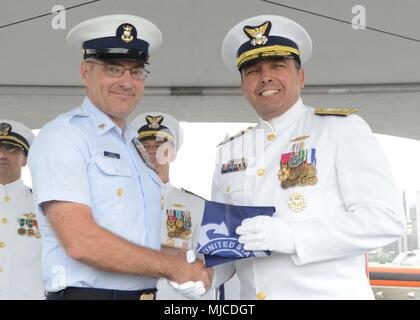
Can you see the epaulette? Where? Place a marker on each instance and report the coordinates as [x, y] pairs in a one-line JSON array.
[[240, 133], [334, 112], [192, 193]]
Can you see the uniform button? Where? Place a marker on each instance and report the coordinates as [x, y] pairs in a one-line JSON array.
[[2, 245], [271, 136], [119, 192], [261, 295], [102, 126], [4, 221], [227, 189], [261, 172]]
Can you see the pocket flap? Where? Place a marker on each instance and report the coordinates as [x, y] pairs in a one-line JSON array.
[[235, 183], [113, 167]]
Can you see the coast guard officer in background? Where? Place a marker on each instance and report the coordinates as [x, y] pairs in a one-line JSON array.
[[161, 136], [98, 201], [322, 169], [20, 237]]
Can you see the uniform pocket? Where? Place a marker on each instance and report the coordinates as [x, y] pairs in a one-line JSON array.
[[112, 181], [234, 187], [113, 167]]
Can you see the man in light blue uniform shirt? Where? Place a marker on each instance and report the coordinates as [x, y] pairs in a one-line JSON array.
[[99, 202]]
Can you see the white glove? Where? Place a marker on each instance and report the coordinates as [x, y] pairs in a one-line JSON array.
[[190, 255], [190, 289], [266, 233]]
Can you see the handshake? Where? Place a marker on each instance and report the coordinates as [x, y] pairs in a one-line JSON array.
[[259, 233], [194, 289]]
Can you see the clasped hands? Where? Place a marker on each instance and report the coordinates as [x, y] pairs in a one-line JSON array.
[[193, 289], [257, 233]]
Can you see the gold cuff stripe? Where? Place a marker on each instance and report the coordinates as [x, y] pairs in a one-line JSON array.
[[162, 134], [266, 51], [18, 141]]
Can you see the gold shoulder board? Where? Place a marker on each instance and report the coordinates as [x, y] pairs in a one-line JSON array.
[[334, 112]]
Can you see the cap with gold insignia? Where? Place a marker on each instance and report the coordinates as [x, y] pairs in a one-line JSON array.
[[158, 125], [116, 37], [16, 134], [265, 36]]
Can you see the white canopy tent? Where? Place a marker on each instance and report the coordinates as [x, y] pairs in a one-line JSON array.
[[375, 72]]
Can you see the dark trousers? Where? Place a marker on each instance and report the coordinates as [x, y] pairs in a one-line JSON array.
[[73, 293]]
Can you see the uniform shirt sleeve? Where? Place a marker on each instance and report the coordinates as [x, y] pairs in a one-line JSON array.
[[372, 214], [58, 165]]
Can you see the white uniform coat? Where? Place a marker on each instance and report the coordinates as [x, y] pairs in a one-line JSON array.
[[353, 208], [20, 255], [176, 199]]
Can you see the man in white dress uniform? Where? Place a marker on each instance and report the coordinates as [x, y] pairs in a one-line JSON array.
[[161, 136], [322, 169], [20, 239]]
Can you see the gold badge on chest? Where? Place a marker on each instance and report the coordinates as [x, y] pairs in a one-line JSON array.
[[296, 202]]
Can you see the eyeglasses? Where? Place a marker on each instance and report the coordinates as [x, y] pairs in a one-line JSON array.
[[8, 148], [116, 70]]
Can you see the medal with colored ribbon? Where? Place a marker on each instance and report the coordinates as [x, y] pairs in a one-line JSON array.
[[21, 231], [234, 165], [298, 167], [178, 224], [31, 223]]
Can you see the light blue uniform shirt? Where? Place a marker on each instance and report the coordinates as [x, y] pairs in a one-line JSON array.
[[83, 157]]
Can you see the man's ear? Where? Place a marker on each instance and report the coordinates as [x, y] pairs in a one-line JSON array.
[[24, 161], [84, 72], [302, 78]]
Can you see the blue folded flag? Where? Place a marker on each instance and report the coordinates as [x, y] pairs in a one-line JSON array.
[[217, 238]]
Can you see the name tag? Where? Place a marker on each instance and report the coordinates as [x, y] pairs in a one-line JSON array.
[[112, 155]]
